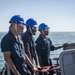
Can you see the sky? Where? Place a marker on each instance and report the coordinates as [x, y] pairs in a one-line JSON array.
[[59, 15]]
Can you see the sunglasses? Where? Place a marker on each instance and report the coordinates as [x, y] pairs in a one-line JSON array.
[[46, 29], [34, 28], [20, 24]]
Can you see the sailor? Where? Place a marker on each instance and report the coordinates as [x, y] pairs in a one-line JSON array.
[[29, 43], [44, 46], [13, 48]]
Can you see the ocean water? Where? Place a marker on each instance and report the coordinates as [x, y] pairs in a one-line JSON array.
[[58, 38], [2, 62]]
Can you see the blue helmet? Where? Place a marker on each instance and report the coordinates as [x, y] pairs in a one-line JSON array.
[[43, 26], [31, 22], [17, 18]]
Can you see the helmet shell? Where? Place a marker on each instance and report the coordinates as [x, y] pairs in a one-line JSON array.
[[31, 22], [17, 18], [42, 26]]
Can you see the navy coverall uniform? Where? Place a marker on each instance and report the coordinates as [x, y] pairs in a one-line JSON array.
[[16, 47], [43, 48]]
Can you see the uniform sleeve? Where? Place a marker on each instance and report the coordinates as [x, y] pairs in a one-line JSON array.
[[5, 44], [52, 46], [25, 39], [38, 48]]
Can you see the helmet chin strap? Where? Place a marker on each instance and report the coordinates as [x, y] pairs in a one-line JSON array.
[[44, 36], [15, 27], [30, 30]]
